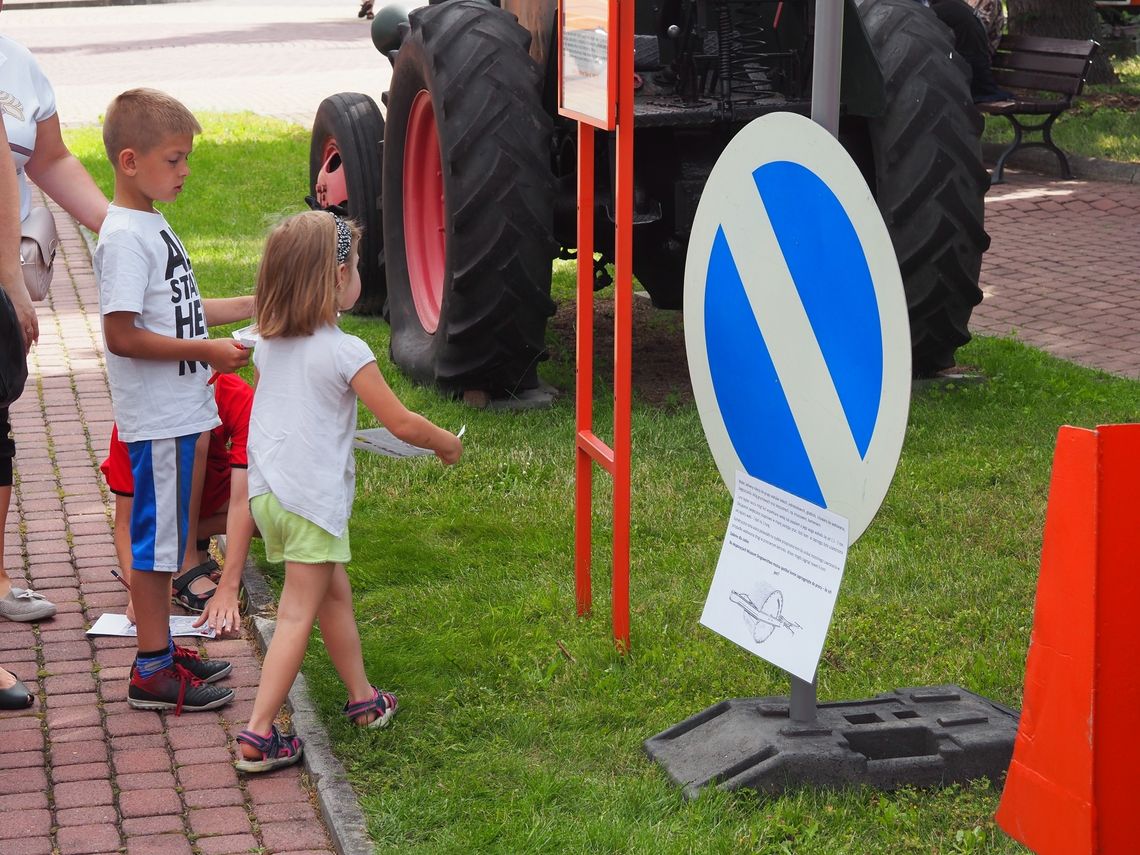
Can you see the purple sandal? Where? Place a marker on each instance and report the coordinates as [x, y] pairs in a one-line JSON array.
[[277, 750], [383, 704]]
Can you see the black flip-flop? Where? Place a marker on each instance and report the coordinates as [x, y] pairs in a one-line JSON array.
[[16, 697], [180, 587]]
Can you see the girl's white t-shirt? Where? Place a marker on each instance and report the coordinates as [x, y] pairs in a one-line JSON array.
[[26, 98], [141, 267], [303, 422]]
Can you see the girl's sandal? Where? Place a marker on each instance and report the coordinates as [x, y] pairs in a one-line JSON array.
[[277, 750], [180, 587], [382, 704]]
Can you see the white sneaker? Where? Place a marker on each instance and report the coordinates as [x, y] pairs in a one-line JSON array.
[[25, 605]]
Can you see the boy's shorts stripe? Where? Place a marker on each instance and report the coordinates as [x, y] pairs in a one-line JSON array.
[[163, 471]]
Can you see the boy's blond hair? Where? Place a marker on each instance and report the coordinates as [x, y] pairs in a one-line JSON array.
[[296, 280], [141, 119]]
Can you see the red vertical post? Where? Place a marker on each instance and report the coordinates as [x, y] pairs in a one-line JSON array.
[[584, 384], [623, 324]]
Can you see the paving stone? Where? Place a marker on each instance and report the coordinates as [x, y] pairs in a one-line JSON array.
[[229, 844], [159, 844], [88, 839], [220, 820], [82, 794], [138, 803], [24, 823]]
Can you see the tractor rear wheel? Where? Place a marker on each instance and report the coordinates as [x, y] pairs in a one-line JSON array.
[[344, 170], [468, 202], [927, 175]]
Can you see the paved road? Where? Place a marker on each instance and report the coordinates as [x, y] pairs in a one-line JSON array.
[[279, 58]]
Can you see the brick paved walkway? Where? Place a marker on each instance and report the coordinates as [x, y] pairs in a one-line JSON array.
[[1063, 271], [81, 772]]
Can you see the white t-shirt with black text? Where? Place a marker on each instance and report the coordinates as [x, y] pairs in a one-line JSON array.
[[303, 422], [142, 267]]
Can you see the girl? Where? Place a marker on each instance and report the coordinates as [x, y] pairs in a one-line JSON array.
[[309, 375]]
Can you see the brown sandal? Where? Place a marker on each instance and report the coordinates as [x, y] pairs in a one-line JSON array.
[[365, 10]]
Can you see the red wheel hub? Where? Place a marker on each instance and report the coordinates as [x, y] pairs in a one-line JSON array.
[[331, 186], [425, 239]]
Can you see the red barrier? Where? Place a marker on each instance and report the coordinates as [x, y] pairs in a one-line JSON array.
[[1071, 787]]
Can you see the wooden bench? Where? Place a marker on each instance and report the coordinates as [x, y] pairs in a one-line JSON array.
[[1045, 75]]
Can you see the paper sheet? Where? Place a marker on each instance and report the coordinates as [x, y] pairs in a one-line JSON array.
[[114, 624], [247, 337], [381, 441]]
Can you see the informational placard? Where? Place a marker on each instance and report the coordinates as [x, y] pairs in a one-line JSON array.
[[778, 576], [587, 61]]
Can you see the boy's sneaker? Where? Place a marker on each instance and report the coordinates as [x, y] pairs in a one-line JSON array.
[[177, 689], [206, 670]]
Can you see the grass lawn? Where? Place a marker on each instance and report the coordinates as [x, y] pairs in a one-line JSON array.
[[521, 727], [1104, 123]]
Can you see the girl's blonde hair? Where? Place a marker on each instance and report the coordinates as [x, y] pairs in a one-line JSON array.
[[296, 281]]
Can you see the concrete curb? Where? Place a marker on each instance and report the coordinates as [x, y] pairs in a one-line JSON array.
[[1045, 163], [76, 4]]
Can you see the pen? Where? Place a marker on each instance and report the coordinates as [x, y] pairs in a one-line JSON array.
[[122, 581]]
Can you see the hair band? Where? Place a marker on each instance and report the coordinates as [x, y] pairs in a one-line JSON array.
[[343, 240]]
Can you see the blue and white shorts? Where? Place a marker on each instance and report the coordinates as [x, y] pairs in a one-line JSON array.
[[163, 470]]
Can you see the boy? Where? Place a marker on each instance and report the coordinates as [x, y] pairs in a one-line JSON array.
[[159, 358], [224, 508]]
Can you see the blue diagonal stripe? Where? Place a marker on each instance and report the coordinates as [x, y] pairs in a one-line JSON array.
[[748, 391], [834, 286]]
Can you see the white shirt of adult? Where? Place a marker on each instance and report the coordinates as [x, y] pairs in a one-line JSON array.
[[26, 98], [303, 422], [142, 267]]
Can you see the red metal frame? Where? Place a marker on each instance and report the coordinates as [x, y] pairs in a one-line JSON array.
[[589, 448]]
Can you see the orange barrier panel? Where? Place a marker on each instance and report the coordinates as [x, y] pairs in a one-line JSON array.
[[1070, 789]]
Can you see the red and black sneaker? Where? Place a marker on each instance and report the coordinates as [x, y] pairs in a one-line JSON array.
[[206, 670], [175, 688]]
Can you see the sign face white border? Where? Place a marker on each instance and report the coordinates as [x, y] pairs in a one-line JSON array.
[[587, 61], [731, 209]]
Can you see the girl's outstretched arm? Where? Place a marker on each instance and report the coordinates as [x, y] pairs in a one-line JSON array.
[[371, 387]]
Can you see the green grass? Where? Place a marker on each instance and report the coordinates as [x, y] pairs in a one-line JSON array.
[[464, 592], [1099, 126]]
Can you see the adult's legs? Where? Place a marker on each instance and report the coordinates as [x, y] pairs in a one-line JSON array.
[[24, 609]]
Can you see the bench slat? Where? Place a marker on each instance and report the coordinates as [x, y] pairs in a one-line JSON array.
[[1069, 66], [1014, 79], [1042, 44]]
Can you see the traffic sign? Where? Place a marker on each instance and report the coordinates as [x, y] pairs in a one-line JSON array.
[[796, 323]]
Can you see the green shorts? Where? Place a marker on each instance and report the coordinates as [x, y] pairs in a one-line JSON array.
[[289, 537]]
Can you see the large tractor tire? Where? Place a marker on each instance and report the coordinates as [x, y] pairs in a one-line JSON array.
[[468, 202], [344, 171], [927, 175]]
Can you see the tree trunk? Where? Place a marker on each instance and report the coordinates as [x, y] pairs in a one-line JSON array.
[[1062, 19]]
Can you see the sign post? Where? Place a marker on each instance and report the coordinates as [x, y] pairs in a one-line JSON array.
[[595, 87]]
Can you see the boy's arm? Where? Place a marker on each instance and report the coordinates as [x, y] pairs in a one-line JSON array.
[[371, 387], [227, 310], [125, 339]]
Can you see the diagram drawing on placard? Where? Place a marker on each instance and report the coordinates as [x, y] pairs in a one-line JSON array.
[[763, 612]]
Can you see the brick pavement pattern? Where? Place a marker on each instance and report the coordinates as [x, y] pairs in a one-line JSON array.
[[81, 773], [1063, 271]]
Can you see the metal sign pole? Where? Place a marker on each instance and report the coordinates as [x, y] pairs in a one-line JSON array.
[[826, 65]]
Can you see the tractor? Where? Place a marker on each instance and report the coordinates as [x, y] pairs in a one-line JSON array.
[[466, 186]]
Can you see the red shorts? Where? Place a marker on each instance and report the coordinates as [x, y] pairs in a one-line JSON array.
[[227, 448]]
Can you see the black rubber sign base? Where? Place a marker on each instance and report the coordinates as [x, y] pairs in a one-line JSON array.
[[921, 737]]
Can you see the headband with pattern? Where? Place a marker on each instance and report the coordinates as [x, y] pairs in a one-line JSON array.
[[343, 240]]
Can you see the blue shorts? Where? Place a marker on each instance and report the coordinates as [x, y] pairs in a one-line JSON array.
[[163, 470]]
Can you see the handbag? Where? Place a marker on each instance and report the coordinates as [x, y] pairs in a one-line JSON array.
[[13, 362], [38, 243]]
